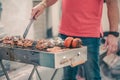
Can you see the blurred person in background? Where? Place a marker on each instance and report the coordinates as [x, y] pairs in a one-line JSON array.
[[82, 19]]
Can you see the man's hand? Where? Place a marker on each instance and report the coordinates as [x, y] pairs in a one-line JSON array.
[[111, 44], [37, 10], [113, 16]]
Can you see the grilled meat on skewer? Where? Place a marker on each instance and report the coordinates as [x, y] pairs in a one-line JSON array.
[[16, 40], [27, 43], [20, 43], [8, 40], [42, 44], [50, 43]]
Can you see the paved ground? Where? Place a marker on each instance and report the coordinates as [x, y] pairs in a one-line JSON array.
[[24, 72], [46, 73]]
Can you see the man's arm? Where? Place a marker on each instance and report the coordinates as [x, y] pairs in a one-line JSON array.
[[38, 9], [113, 16], [49, 2]]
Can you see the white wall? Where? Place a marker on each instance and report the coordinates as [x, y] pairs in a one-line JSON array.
[[16, 15], [105, 23], [56, 10]]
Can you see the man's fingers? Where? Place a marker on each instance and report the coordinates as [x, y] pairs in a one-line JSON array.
[[37, 10], [109, 50], [33, 13], [37, 14], [112, 49], [112, 44], [105, 45]]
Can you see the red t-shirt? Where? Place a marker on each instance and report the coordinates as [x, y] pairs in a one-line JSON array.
[[81, 18]]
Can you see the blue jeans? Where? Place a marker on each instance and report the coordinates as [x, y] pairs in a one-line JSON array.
[[89, 70]]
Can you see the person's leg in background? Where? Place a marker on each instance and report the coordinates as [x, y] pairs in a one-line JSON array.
[[91, 67], [90, 70], [69, 72]]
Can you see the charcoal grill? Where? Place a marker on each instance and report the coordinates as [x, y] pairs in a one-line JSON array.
[[42, 58], [31, 55]]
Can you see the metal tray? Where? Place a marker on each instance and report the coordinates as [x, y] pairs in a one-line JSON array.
[[47, 59]]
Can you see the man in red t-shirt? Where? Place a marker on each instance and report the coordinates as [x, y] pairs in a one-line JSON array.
[[82, 19]]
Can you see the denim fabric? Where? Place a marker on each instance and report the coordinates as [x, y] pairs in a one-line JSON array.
[[91, 69]]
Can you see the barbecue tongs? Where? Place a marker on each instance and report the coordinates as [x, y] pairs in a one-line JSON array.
[[28, 26]]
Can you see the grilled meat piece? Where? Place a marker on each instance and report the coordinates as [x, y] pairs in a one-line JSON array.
[[8, 40], [54, 49], [17, 40], [27, 43], [68, 42], [76, 43], [44, 44], [49, 43], [41, 44], [71, 42], [13, 40], [20, 43]]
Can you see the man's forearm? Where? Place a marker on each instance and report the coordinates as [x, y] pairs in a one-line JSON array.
[[49, 2], [113, 14]]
